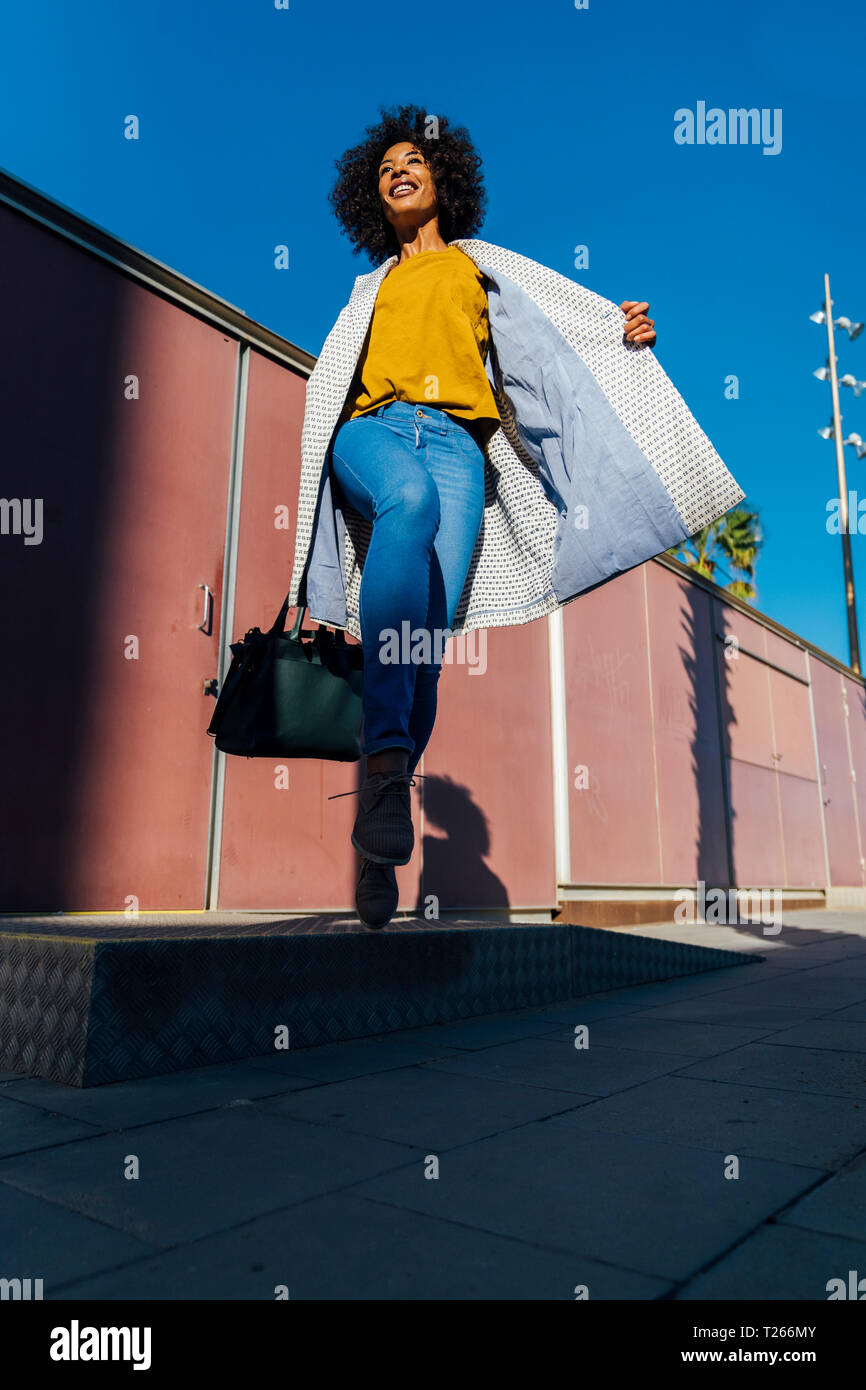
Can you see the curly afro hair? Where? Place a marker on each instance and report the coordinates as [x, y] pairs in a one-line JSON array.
[[454, 163]]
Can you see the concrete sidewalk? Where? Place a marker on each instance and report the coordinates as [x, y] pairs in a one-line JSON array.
[[558, 1166]]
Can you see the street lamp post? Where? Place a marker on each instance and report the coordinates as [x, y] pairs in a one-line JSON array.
[[850, 604]]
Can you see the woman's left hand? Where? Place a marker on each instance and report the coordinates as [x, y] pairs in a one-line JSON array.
[[638, 328]]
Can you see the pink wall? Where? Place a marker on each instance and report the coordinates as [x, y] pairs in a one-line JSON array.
[[698, 752], [117, 413]]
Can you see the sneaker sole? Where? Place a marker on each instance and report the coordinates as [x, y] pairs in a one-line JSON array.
[[379, 858]]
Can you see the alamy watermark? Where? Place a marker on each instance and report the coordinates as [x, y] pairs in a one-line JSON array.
[[22, 516], [737, 126], [421, 646], [77, 1343], [856, 510], [730, 907], [20, 1289], [853, 1288]]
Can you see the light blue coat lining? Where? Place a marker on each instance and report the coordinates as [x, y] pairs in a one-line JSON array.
[[585, 456]]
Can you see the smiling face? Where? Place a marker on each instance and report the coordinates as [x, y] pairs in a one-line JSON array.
[[406, 185]]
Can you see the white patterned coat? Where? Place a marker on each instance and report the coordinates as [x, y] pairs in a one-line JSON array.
[[598, 464]]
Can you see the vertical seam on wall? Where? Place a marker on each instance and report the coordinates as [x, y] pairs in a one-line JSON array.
[[227, 618], [649, 671], [720, 729], [818, 766], [559, 748]]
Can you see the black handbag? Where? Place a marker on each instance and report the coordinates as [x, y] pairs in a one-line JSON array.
[[286, 698]]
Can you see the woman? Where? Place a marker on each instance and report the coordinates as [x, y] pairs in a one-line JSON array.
[[483, 440]]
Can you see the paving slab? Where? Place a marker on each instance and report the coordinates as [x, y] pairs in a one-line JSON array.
[[557, 1063], [784, 963], [831, 1032], [792, 939], [340, 1061], [202, 1174], [794, 1070], [427, 1108], [24, 1128], [683, 987], [350, 1248], [838, 1206], [778, 1263], [843, 968], [125, 1103], [807, 988], [40, 1240], [609, 1005], [851, 1011], [816, 1130], [649, 1205], [472, 1033], [733, 1009], [666, 1035]]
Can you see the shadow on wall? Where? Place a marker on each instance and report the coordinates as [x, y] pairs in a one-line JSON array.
[[453, 862], [713, 708], [707, 669], [62, 324]]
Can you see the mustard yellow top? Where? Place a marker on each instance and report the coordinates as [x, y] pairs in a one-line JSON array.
[[428, 339]]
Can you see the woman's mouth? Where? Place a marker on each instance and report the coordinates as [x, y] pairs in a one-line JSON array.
[[403, 189]]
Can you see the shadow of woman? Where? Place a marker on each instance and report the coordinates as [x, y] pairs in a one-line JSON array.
[[454, 876]]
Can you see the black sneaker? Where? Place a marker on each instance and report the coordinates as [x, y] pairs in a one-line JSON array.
[[376, 895], [383, 829]]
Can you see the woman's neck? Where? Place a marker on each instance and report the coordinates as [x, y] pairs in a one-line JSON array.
[[427, 237]]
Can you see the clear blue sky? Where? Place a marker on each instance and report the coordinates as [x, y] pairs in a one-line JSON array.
[[244, 107]]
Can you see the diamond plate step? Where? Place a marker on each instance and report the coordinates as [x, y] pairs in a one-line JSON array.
[[90, 1000]]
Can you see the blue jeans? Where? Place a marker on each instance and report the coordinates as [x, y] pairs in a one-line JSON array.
[[418, 475]]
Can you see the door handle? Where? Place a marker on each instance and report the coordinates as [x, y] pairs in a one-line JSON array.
[[206, 624]]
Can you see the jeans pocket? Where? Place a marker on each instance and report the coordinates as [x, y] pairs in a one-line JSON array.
[[466, 442]]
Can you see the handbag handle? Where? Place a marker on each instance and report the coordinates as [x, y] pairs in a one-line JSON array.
[[280, 623]]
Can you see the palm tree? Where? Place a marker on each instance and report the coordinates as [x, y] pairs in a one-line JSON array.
[[735, 539]]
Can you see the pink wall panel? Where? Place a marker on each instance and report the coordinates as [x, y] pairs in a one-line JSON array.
[[488, 776], [756, 829], [142, 807], [785, 654], [745, 704], [688, 752], [614, 824], [284, 844], [837, 791], [805, 865], [793, 741]]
